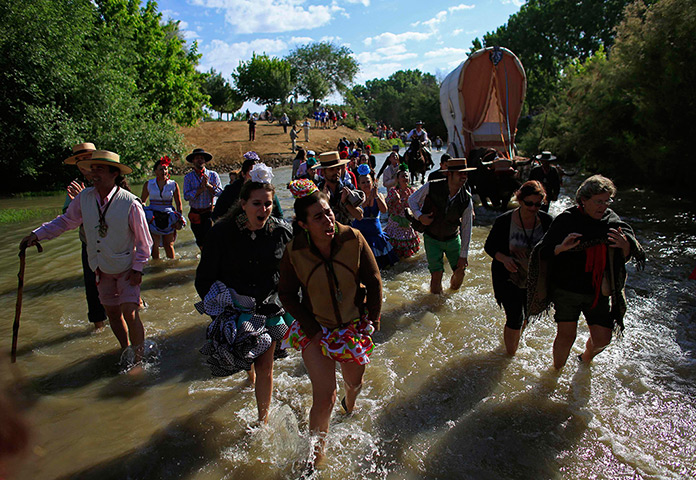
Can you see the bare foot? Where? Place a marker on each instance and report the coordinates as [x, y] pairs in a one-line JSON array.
[[99, 326]]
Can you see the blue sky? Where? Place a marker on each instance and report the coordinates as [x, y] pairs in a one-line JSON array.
[[432, 36]]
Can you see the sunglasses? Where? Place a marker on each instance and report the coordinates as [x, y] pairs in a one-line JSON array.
[[532, 204]]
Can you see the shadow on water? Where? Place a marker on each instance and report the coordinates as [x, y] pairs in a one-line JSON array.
[[181, 448], [521, 439], [68, 337], [178, 354], [392, 323], [34, 289], [179, 359], [449, 393]]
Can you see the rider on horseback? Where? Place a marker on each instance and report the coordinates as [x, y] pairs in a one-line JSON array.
[[419, 141]]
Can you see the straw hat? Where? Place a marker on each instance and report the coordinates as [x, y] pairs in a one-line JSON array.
[[105, 157], [79, 150], [458, 165], [330, 160]]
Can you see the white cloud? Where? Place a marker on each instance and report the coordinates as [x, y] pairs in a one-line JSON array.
[[365, 3], [169, 15], [382, 70], [442, 16], [517, 3], [272, 16], [330, 38], [301, 40], [457, 31], [225, 57], [387, 39], [447, 52], [461, 6]]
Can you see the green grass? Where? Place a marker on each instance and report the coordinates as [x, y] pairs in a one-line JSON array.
[[12, 215]]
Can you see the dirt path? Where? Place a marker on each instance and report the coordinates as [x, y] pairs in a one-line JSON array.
[[228, 141]]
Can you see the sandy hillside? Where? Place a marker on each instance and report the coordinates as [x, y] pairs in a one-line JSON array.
[[228, 141]]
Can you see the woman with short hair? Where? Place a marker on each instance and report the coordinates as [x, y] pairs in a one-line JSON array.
[[579, 266]]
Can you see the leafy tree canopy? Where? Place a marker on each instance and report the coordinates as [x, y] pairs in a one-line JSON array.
[[265, 80], [71, 72], [335, 64], [223, 98]]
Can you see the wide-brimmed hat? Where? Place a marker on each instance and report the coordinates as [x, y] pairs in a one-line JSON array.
[[458, 165], [105, 157], [199, 151], [419, 122], [330, 160], [77, 150], [546, 156], [395, 146]]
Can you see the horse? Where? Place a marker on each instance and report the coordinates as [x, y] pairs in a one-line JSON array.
[[418, 160], [494, 181]]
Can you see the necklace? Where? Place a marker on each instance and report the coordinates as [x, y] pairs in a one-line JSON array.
[[527, 239], [103, 227]]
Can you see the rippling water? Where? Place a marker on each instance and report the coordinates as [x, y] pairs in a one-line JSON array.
[[441, 399]]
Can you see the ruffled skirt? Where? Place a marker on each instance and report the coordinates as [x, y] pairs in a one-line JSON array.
[[350, 344], [237, 335], [162, 220]]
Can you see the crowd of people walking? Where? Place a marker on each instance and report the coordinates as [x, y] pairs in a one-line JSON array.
[[315, 284]]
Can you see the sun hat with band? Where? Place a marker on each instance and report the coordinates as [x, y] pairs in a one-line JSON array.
[[199, 151], [329, 160], [79, 150], [458, 165], [105, 157], [546, 156]]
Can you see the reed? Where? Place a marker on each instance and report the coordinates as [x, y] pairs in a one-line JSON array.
[[13, 215]]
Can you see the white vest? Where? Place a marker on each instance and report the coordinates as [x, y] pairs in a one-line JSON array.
[[114, 253]]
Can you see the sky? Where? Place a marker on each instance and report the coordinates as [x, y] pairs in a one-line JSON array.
[[384, 36]]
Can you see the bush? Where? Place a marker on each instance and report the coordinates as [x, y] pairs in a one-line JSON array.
[[380, 146]]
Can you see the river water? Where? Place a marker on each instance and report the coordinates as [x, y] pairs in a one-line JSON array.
[[441, 399]]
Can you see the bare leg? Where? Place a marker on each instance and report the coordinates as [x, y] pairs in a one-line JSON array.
[[169, 245], [598, 341], [322, 374], [436, 282], [512, 340], [264, 382], [136, 331], [457, 278], [118, 325], [565, 337], [155, 246], [353, 382]]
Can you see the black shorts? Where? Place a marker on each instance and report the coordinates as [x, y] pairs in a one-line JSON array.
[[569, 305]]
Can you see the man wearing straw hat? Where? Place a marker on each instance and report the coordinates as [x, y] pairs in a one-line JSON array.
[[445, 208], [95, 311], [118, 242], [343, 200]]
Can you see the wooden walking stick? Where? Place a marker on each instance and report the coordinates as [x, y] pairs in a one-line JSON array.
[[18, 308]]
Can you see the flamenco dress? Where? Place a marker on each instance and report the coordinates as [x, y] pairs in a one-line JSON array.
[[160, 214], [398, 229]]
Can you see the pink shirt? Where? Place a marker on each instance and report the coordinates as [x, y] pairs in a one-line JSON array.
[[72, 218]]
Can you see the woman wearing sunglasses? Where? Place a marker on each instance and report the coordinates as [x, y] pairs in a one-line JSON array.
[[510, 243]]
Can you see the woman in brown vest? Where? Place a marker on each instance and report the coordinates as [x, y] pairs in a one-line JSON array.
[[340, 305]]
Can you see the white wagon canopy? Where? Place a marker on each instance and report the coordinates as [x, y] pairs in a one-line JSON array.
[[481, 101]]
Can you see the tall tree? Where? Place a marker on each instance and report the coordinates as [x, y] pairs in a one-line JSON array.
[[631, 114], [223, 98], [402, 99], [335, 64], [163, 66], [265, 80]]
